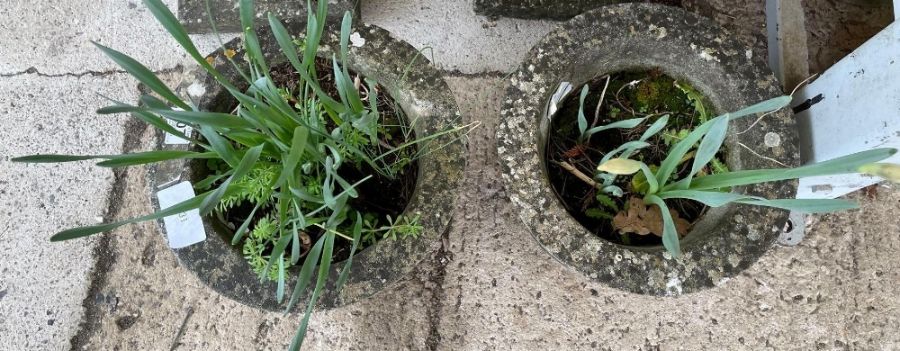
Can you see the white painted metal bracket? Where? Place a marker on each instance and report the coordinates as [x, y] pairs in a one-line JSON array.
[[853, 106]]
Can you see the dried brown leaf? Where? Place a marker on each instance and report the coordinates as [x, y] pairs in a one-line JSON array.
[[641, 219]]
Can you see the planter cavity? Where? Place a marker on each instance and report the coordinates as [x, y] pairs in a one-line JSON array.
[[194, 18], [417, 87], [687, 47]]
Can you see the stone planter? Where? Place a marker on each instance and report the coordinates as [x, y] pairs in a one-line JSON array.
[[419, 90], [685, 46]]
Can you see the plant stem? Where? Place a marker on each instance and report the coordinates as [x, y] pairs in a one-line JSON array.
[[578, 174]]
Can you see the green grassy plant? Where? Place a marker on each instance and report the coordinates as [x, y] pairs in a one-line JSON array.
[[280, 152], [704, 142]]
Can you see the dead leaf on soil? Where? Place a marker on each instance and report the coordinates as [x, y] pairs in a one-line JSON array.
[[305, 242], [641, 219]]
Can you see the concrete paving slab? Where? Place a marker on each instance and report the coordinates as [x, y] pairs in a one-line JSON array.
[[454, 36], [43, 284], [195, 18], [53, 37]]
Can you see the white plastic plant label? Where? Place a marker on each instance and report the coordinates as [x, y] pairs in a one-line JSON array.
[[186, 228], [184, 128]]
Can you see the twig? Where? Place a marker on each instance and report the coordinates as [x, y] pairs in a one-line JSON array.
[[578, 174], [761, 156], [175, 343], [600, 103], [771, 112]]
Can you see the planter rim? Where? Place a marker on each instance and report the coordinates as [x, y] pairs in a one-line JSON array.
[[686, 47], [420, 91]]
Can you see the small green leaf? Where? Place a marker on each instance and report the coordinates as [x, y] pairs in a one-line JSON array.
[[620, 166], [239, 234], [582, 120], [670, 234], [888, 171]]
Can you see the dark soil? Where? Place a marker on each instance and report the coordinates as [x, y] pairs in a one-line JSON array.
[[380, 196], [654, 95]]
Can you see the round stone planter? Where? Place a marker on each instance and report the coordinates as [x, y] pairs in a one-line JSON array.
[[725, 240], [419, 90]]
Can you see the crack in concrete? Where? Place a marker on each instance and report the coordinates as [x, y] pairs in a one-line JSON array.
[[34, 71], [441, 260], [104, 253]]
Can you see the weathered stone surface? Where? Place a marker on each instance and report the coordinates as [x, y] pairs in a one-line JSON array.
[[547, 9], [194, 17], [419, 90], [685, 46]]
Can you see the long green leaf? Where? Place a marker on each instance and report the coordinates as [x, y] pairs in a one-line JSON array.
[[708, 198], [276, 254], [805, 205], [709, 146], [625, 149], [279, 291], [284, 41], [298, 145], [240, 171], [143, 75], [239, 233], [251, 40], [623, 124], [841, 165], [357, 235], [171, 24], [770, 105], [324, 267], [141, 158], [220, 145], [55, 158], [211, 119], [123, 160], [676, 154], [656, 127], [306, 272], [145, 116], [670, 234], [180, 207]]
